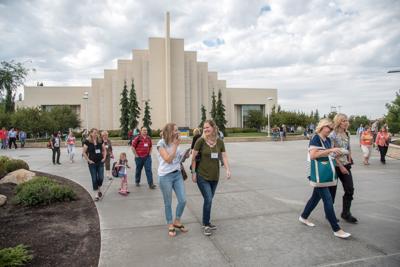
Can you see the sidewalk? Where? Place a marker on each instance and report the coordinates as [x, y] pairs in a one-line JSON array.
[[256, 213]]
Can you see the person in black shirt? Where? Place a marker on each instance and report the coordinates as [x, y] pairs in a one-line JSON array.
[[94, 151], [55, 143]]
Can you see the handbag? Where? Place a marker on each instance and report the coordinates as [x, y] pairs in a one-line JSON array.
[[322, 171]]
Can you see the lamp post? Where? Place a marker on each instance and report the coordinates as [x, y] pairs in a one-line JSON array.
[[269, 127], [86, 99]]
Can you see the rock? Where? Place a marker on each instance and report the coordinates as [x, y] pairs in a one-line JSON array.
[[3, 200], [18, 177]]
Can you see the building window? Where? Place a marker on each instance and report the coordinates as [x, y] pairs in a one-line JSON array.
[[244, 113]]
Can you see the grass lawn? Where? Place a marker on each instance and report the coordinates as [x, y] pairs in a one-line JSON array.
[[246, 134]]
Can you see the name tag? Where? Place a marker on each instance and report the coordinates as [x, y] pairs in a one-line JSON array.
[[146, 145], [214, 155], [98, 151], [106, 146]]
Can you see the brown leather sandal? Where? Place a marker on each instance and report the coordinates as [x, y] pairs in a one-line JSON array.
[[181, 227]]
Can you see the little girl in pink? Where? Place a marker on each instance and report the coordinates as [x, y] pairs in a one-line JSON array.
[[122, 165]]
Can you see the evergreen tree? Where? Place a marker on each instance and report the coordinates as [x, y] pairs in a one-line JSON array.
[[220, 113], [124, 120], [147, 117], [203, 116], [134, 109], [213, 112], [316, 116]]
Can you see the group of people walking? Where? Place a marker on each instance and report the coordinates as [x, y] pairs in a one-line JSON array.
[[329, 151], [370, 137], [331, 147], [207, 151], [8, 138]]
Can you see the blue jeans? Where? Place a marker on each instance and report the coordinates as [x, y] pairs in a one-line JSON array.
[[97, 172], [207, 189], [325, 194], [169, 182], [146, 162]]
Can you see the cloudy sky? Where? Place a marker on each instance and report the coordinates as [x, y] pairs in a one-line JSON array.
[[317, 54]]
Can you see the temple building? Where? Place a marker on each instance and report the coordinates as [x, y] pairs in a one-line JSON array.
[[174, 82]]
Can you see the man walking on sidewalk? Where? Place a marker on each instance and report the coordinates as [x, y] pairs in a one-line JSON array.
[[141, 148]]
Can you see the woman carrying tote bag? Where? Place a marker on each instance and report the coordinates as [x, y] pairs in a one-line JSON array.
[[323, 177]]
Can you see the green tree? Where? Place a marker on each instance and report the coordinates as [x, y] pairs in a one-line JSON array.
[[147, 117], [134, 109], [256, 119], [220, 113], [316, 116], [203, 116], [213, 112], [63, 118], [124, 119], [355, 122], [12, 75], [393, 115]]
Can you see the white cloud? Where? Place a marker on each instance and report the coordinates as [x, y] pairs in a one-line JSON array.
[[317, 53]]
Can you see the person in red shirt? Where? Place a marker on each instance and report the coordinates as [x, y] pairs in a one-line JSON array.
[[3, 137], [141, 148]]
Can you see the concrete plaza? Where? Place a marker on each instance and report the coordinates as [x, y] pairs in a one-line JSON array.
[[256, 213]]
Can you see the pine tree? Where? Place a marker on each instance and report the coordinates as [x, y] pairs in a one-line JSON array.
[[147, 117], [220, 113], [213, 112], [134, 109], [203, 116], [124, 120], [316, 116]]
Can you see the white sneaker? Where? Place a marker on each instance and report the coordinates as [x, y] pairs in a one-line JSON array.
[[306, 222], [344, 235]]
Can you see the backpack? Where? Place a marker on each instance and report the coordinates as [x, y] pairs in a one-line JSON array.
[[133, 138], [115, 170]]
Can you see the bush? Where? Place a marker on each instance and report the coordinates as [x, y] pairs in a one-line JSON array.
[[16, 164], [4, 159], [114, 133], [16, 256], [155, 133], [42, 191]]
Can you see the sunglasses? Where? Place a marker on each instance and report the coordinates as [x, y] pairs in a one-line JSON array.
[[329, 127]]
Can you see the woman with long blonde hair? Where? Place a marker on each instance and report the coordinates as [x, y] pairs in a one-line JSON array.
[[205, 168], [170, 176], [95, 153], [341, 139]]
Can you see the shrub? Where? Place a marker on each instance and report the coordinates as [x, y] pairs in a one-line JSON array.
[[16, 164], [3, 170], [114, 133], [16, 256], [42, 191], [155, 133], [4, 159]]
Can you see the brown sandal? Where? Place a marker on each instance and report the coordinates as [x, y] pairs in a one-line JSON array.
[[181, 228]]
